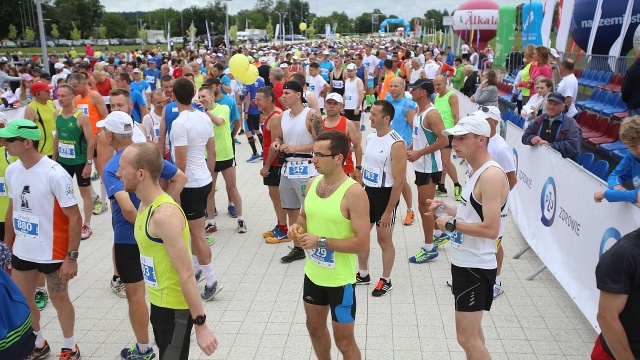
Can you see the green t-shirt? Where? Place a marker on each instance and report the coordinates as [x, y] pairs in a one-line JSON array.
[[224, 147]]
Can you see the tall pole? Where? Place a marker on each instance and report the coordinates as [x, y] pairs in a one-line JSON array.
[[528, 23], [43, 42], [181, 22]]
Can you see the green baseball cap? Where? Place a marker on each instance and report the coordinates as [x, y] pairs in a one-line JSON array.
[[22, 128]]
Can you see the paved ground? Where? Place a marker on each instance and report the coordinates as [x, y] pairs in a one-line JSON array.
[[259, 313]]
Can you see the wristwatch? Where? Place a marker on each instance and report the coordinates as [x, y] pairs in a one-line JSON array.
[[322, 243], [90, 162], [450, 225], [200, 319], [73, 255], [359, 167]]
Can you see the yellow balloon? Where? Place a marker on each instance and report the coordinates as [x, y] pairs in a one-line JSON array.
[[238, 64], [250, 76], [303, 26], [97, 54]]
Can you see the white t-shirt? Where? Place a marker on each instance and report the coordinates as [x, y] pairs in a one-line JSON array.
[[316, 84], [568, 86], [422, 60], [38, 193], [431, 69], [501, 152], [464, 49], [473, 60], [193, 129], [371, 62]]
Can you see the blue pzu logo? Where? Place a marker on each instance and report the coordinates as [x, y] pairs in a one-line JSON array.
[[609, 238], [515, 158], [548, 202]]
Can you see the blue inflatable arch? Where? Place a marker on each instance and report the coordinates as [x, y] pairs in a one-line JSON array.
[[388, 22]]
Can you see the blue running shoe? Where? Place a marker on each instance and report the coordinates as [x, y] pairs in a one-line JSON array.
[[232, 211], [277, 237], [440, 240], [423, 256], [254, 158], [133, 353]]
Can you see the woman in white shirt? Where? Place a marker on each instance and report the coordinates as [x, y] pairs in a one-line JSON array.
[[537, 103]]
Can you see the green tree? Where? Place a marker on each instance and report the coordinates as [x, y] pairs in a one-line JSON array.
[[192, 31], [142, 33], [233, 31], [84, 13], [116, 24], [75, 33], [270, 30], [311, 31], [102, 31], [29, 34], [13, 33], [54, 31]]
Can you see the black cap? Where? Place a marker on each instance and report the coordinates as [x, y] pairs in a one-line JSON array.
[[424, 84], [295, 86]]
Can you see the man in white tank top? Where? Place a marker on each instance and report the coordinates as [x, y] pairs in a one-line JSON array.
[[384, 175], [431, 68], [474, 226], [293, 140], [354, 94]]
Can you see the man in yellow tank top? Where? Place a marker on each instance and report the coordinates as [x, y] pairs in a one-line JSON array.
[[332, 198], [41, 111], [166, 260]]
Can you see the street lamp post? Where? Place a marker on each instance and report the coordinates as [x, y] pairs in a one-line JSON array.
[[282, 15], [226, 29], [43, 40], [470, 26]]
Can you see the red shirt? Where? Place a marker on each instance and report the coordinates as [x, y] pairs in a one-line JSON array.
[[278, 89], [266, 137], [342, 127]]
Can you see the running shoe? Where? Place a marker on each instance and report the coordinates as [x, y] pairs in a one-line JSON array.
[[254, 158], [39, 353], [199, 276], [232, 211], [410, 217], [118, 287], [95, 176], [210, 292], [382, 288], [210, 229], [363, 280], [440, 240], [42, 299], [296, 253], [441, 191], [497, 290], [133, 353], [86, 232], [277, 237], [269, 233], [100, 208], [242, 227], [457, 192], [69, 354], [210, 240], [235, 140], [423, 256]]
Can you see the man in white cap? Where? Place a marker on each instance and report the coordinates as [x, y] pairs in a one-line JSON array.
[[141, 86], [263, 70], [354, 95], [474, 226], [60, 74], [335, 121]]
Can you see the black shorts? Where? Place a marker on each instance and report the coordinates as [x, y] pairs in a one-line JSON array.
[[378, 201], [273, 179], [350, 114], [450, 142], [21, 348], [472, 288], [172, 331], [341, 300], [194, 201], [426, 178], [127, 258], [24, 265], [77, 171], [253, 121], [224, 164]]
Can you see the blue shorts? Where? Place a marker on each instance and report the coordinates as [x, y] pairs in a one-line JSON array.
[[370, 84]]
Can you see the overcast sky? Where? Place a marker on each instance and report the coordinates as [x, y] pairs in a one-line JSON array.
[[320, 7]]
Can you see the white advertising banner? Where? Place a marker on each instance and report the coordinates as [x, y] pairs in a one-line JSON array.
[[481, 19], [553, 205]]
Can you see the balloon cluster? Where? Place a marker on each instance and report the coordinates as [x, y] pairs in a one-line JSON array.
[[241, 69]]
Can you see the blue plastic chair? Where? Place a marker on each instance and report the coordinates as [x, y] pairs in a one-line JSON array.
[[610, 104], [595, 80], [602, 99], [611, 147], [587, 76], [521, 122], [620, 106], [600, 169], [586, 160], [506, 114], [512, 117], [593, 99], [603, 81], [619, 154]]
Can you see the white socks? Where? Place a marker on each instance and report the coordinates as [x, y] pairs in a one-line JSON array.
[[207, 272]]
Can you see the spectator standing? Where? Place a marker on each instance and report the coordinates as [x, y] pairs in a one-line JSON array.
[[568, 87], [631, 87]]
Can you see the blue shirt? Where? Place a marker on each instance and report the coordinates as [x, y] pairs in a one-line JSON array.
[[226, 82], [399, 122], [626, 174], [449, 60], [138, 100], [326, 67], [252, 90], [234, 115], [151, 76], [122, 228]]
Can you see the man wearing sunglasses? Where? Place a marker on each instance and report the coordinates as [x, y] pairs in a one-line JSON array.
[[44, 233]]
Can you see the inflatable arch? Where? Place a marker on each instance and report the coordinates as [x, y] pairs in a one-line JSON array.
[[385, 24]]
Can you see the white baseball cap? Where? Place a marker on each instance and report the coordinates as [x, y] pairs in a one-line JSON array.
[[352, 67], [136, 70], [118, 122], [58, 66], [469, 125], [334, 96], [554, 53], [326, 52], [263, 59], [491, 112]]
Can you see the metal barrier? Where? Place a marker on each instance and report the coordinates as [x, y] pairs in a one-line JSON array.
[[616, 64]]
